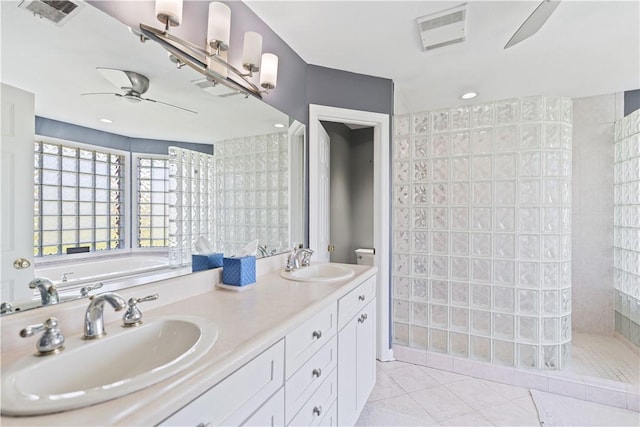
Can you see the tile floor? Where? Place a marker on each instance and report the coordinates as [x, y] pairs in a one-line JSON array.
[[604, 357], [413, 395]]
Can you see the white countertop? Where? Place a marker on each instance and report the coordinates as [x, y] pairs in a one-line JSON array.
[[248, 321]]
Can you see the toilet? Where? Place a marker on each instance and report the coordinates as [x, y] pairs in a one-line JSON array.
[[365, 256]]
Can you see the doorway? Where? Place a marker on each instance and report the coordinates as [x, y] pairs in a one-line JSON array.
[[319, 210]]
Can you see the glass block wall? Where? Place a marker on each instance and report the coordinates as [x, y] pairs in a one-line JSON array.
[[191, 202], [252, 181], [482, 231], [626, 227]]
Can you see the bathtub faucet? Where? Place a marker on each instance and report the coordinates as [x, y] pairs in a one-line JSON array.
[[48, 291], [94, 316], [65, 276]]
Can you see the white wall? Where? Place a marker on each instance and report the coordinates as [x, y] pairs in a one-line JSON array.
[[592, 236]]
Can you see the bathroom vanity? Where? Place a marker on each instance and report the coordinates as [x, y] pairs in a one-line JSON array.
[[287, 353]]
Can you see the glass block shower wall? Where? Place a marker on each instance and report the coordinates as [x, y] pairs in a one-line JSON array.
[[482, 232], [252, 181], [626, 227], [191, 202]]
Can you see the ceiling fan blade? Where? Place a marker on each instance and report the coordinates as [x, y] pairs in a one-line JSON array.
[[170, 105], [118, 78], [100, 93], [533, 23]]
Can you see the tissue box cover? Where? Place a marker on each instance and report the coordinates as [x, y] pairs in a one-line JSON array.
[[206, 262], [239, 271]]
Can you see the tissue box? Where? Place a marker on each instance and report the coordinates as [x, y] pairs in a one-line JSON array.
[[206, 262], [239, 271]]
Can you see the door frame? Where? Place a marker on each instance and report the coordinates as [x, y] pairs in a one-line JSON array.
[[381, 217]]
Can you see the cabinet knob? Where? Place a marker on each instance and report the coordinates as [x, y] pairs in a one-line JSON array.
[[317, 410], [361, 297], [316, 372], [204, 425], [362, 318], [317, 334]]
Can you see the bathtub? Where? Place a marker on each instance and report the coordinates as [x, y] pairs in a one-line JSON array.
[[91, 270]]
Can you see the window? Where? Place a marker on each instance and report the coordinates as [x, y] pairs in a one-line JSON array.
[[79, 196], [152, 209]]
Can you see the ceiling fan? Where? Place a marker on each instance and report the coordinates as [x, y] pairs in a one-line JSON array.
[[534, 22], [134, 84]]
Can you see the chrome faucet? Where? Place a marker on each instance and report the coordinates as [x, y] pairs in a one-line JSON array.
[[133, 315], [51, 341], [94, 316], [48, 291], [65, 276], [294, 260]]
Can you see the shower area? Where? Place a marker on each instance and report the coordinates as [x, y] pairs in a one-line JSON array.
[[516, 244]]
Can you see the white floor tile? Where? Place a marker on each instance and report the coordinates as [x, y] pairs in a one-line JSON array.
[[507, 391], [412, 378], [385, 387], [557, 410], [404, 405], [475, 393], [472, 419], [374, 416], [509, 414], [441, 403], [444, 377], [527, 404]]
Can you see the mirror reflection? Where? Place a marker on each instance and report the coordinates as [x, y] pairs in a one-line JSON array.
[[106, 110]]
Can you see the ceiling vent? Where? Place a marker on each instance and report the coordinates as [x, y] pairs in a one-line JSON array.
[[215, 89], [58, 12], [443, 28]]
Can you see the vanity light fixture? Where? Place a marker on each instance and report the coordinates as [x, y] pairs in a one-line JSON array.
[[211, 60], [468, 95]]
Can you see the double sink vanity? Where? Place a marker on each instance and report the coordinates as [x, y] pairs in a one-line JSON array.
[[295, 348]]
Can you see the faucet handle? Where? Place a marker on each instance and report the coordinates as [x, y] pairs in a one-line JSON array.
[[133, 315], [51, 342], [306, 257], [84, 291]]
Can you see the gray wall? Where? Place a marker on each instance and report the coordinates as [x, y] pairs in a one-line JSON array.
[[351, 190], [71, 132], [631, 101], [592, 210]]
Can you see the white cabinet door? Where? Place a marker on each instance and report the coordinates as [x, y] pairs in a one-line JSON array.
[[356, 364]]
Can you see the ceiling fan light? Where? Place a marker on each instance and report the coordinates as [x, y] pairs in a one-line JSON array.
[[169, 12], [219, 26]]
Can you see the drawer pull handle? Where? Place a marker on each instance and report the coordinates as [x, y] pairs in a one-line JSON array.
[[316, 372], [316, 334], [204, 424], [317, 410], [362, 318], [361, 297]]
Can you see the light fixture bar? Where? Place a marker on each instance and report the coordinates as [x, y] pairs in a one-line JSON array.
[[196, 58]]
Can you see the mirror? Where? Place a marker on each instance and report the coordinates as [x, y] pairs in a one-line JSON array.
[[59, 63]]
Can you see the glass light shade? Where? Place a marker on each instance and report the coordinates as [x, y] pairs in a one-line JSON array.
[[251, 51], [269, 72], [169, 12], [219, 26]]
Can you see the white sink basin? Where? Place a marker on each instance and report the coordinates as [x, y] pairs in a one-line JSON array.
[[319, 273], [88, 372]]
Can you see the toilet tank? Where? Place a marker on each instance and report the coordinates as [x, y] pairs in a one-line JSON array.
[[365, 256]]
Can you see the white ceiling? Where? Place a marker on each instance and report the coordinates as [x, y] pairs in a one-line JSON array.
[[58, 64], [585, 48]]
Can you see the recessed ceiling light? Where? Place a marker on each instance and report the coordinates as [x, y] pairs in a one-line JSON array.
[[278, 125], [106, 120], [468, 95]]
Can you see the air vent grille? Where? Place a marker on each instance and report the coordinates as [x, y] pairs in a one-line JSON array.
[[57, 12], [443, 28], [214, 89]]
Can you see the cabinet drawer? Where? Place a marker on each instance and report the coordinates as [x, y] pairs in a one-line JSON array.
[[308, 338], [314, 410], [350, 304], [270, 414], [330, 419], [238, 395], [308, 378]]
